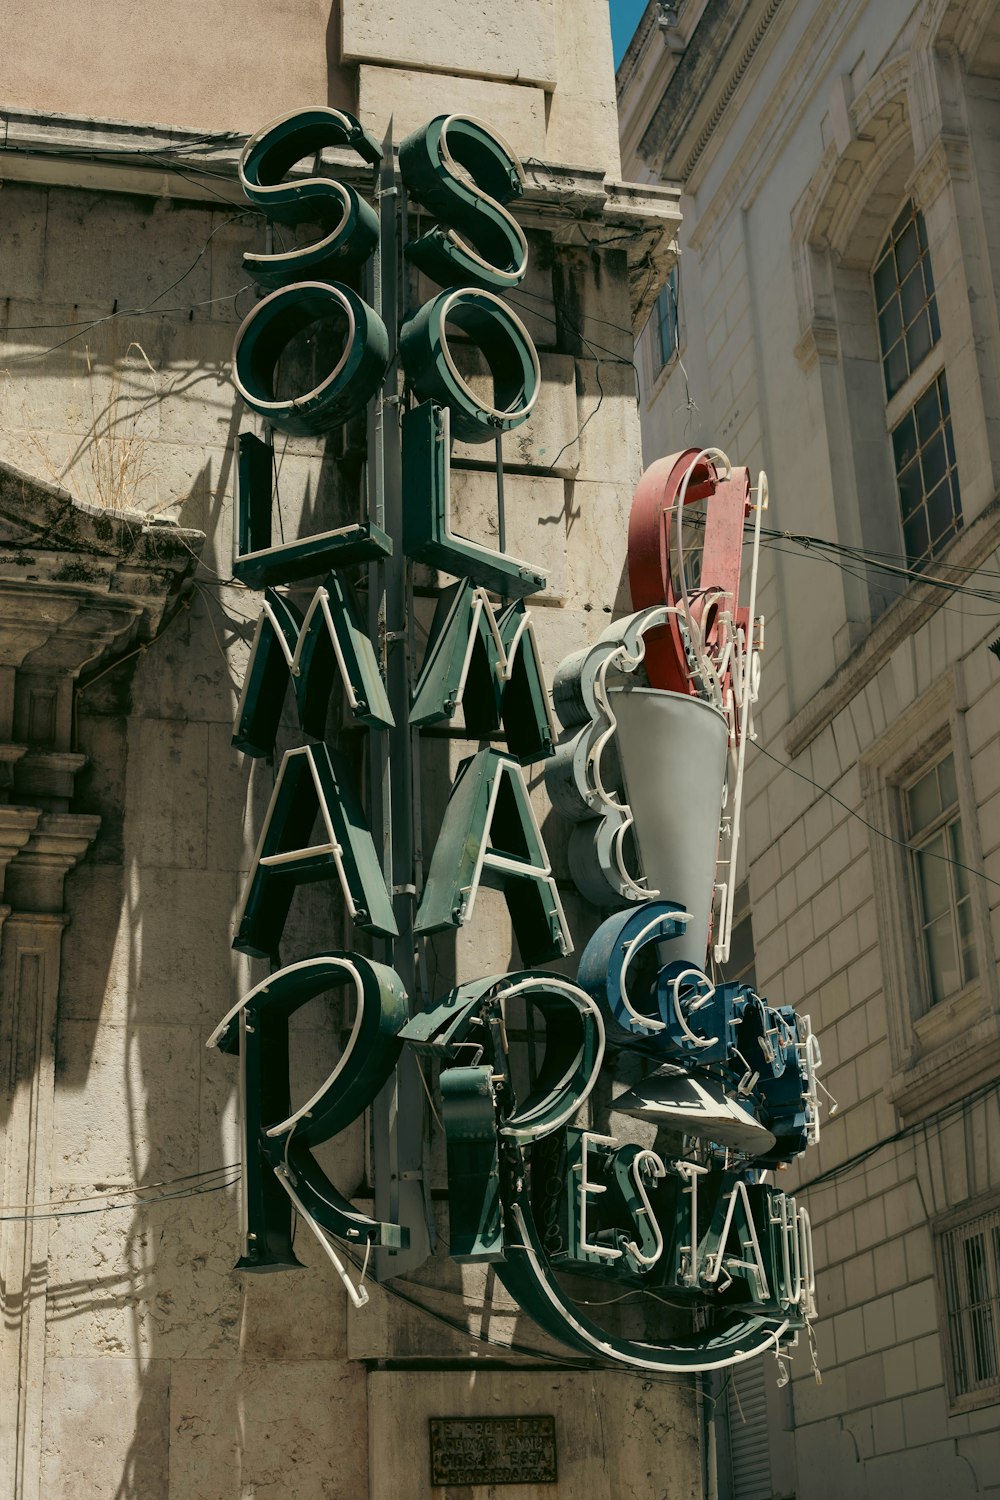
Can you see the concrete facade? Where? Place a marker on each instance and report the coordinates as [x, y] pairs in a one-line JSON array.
[[797, 130], [138, 1362]]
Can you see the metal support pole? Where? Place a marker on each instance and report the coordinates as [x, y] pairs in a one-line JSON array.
[[397, 1116]]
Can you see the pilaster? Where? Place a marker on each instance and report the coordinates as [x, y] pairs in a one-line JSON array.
[[77, 588]]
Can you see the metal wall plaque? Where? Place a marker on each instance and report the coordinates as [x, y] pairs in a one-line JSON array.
[[493, 1450]]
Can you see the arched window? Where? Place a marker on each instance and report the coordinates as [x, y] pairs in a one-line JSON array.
[[916, 389]]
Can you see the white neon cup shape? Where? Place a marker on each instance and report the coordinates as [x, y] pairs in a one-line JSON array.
[[673, 751]]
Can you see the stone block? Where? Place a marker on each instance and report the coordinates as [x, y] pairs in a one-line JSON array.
[[412, 98], [862, 1132], [925, 1418], [152, 945], [156, 1279], [900, 1370], [100, 785], [123, 1103], [559, 632], [890, 1267], [544, 441], [172, 234], [879, 1324], [927, 1468], [919, 1254], [516, 44], [536, 521], [809, 877], [848, 1329], [185, 676], [859, 1279], [605, 391], [168, 792], [915, 1310], [929, 1366], [852, 1032], [106, 1428], [246, 1427], [22, 243], [866, 1387], [596, 539], [887, 1423], [233, 823]]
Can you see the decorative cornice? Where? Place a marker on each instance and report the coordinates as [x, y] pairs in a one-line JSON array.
[[686, 86], [819, 342], [776, 120], [735, 79]]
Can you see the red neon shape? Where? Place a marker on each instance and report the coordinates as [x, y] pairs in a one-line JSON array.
[[651, 543]]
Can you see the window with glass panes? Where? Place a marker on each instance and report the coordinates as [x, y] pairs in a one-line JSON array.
[[944, 903], [970, 1259], [922, 443], [667, 323]]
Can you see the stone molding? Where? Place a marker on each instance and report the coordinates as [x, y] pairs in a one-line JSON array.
[[733, 82], [576, 205], [820, 341], [947, 159], [78, 586]]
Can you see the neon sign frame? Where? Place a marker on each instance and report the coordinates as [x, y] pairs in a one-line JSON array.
[[704, 1226]]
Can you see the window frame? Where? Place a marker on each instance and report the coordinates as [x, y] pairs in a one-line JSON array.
[[671, 288], [938, 1051], [940, 823], [961, 1217], [901, 403]]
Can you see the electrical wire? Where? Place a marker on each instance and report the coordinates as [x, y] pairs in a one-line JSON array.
[[134, 312], [889, 838], [959, 1106], [29, 1213], [394, 1289]]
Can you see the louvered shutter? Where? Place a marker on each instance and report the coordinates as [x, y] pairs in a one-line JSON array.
[[749, 1452]]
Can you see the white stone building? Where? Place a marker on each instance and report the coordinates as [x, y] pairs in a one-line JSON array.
[[833, 319], [135, 1362]]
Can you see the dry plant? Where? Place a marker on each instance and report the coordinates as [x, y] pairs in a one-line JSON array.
[[119, 462], [116, 448]]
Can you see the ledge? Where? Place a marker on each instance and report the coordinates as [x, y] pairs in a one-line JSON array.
[[155, 160], [966, 552], [948, 1073], [59, 555]]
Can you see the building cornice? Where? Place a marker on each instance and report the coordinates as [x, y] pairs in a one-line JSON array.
[[777, 119], [574, 204], [721, 49]]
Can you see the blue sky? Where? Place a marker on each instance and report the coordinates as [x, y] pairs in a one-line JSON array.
[[624, 19]]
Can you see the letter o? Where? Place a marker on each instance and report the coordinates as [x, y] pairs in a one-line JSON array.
[[269, 328], [503, 339]]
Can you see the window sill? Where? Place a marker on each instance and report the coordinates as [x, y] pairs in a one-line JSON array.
[[974, 1401], [959, 1049], [950, 1019]]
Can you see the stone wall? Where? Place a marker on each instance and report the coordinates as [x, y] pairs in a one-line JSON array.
[[837, 114], [148, 1367]]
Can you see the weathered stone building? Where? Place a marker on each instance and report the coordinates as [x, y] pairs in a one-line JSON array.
[[135, 1361], [834, 319]]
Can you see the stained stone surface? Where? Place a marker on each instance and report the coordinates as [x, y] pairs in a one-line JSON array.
[[516, 43], [617, 1437], [267, 1428], [158, 1372]]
